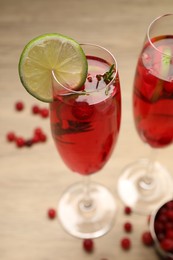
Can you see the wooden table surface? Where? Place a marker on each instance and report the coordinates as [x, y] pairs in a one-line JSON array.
[[32, 179]]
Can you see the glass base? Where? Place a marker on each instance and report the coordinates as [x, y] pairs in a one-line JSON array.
[[141, 194], [90, 221]]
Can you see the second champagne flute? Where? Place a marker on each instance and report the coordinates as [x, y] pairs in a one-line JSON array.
[[145, 184]]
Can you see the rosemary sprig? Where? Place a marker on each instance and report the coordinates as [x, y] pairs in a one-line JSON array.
[[108, 76]]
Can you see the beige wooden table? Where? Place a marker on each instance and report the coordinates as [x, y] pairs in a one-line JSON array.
[[32, 179]]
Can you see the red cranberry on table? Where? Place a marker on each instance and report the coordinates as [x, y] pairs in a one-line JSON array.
[[43, 137], [35, 139], [51, 213], [44, 112], [11, 136], [20, 142], [39, 135], [38, 131], [127, 210], [88, 245], [19, 106], [29, 142], [128, 227], [147, 238], [126, 243], [35, 109]]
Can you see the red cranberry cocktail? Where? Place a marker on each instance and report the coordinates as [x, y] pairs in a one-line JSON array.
[[153, 94], [85, 128]]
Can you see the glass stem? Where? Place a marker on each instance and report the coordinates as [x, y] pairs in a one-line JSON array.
[[147, 180], [87, 201]]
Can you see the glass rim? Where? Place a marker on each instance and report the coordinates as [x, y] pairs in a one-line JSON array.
[[149, 29], [71, 91]]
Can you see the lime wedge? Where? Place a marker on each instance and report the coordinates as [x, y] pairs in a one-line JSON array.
[[47, 53]]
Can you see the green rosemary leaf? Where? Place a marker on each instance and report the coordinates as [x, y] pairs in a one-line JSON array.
[[108, 76]]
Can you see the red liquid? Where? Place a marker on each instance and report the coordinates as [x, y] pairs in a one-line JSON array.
[[153, 94], [85, 127]]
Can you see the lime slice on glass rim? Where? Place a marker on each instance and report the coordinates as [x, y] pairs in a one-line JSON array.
[[48, 55]]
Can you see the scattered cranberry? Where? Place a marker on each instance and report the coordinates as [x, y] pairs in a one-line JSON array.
[[147, 238], [51, 213], [38, 132], [29, 142], [35, 139], [19, 106], [35, 109], [88, 245], [126, 243], [20, 142], [127, 210], [11, 136], [43, 137], [39, 136], [44, 112], [128, 227]]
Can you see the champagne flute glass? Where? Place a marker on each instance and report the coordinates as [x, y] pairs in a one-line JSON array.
[[145, 184], [85, 125]]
